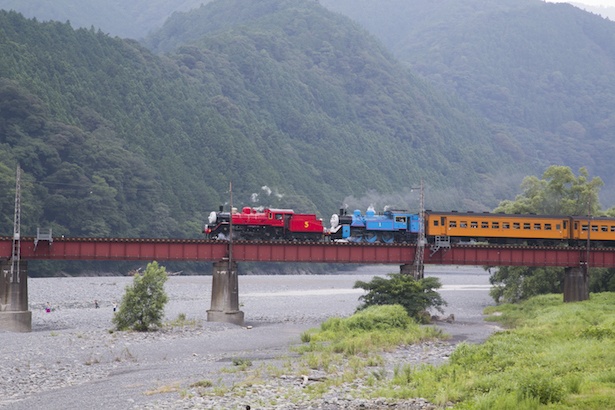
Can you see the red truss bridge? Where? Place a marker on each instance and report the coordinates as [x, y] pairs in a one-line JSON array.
[[123, 249], [15, 316]]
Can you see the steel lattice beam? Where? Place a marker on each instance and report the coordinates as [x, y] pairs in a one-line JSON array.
[[115, 249]]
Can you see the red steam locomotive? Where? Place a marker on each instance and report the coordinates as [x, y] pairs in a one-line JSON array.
[[266, 224]]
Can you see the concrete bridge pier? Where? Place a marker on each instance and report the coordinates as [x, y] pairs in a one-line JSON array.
[[225, 294], [14, 313], [576, 284]]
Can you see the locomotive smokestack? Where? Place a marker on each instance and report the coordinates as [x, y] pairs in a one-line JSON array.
[[221, 208], [342, 211]]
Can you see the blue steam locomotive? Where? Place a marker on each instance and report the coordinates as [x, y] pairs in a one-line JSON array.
[[390, 226]]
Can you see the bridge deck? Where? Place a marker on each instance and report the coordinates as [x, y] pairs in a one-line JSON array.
[[117, 249]]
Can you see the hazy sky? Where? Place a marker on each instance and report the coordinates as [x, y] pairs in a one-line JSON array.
[[607, 3]]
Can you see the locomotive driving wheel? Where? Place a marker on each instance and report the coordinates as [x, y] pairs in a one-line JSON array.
[[387, 237], [370, 237], [356, 237]]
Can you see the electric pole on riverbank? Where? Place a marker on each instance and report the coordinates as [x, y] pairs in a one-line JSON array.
[[16, 256], [419, 258]]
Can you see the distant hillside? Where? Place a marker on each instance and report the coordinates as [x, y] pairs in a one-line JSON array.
[[128, 19], [116, 141], [543, 73]]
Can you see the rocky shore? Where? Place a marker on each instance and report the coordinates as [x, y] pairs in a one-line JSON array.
[[73, 360]]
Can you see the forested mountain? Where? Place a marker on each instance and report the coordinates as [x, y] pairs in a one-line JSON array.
[[117, 141], [542, 73], [119, 138]]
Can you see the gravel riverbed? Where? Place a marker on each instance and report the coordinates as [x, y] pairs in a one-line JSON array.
[[71, 359]]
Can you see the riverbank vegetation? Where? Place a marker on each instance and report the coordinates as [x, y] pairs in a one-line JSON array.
[[548, 355], [555, 355]]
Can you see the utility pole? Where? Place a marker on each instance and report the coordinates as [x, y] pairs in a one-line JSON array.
[[16, 256], [14, 313], [588, 244], [418, 269], [230, 229]]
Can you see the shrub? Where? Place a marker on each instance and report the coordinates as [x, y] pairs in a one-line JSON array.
[[372, 318], [416, 296], [143, 303]]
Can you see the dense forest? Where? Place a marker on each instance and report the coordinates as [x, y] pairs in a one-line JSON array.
[[298, 106], [299, 100]]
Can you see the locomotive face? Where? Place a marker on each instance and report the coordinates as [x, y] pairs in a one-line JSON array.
[[215, 223], [335, 221], [213, 217]]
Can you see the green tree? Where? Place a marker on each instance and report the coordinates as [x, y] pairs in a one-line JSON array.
[[142, 306], [515, 283], [559, 192], [416, 296]]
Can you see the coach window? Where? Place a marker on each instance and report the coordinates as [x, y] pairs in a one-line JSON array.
[[584, 228], [548, 227], [516, 225], [435, 222], [452, 224], [558, 227], [537, 227], [495, 225], [484, 225], [463, 224], [505, 225], [526, 225], [473, 224], [604, 228], [612, 228], [594, 228]]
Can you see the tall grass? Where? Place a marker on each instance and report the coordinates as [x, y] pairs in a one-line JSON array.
[[374, 329], [559, 356]]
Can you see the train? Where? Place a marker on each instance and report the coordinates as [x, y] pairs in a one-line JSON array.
[[400, 226]]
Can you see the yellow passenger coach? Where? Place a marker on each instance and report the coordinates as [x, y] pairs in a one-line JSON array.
[[498, 228]]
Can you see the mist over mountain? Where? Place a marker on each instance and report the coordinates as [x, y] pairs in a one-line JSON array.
[[541, 73], [127, 19], [607, 12]]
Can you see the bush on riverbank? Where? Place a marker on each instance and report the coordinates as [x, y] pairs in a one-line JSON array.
[[142, 306], [416, 296], [373, 329], [560, 356]]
